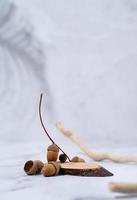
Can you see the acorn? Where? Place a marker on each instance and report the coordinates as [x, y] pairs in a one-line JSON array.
[[39, 165], [52, 153], [62, 158], [57, 166], [50, 169], [77, 159], [81, 160], [33, 167]]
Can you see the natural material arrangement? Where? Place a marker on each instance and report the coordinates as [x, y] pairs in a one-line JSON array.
[[61, 163]]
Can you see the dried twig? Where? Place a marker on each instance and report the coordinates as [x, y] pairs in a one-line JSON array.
[[91, 154], [123, 187], [40, 116]]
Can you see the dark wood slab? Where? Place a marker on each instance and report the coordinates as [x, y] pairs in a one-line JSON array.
[[84, 169]]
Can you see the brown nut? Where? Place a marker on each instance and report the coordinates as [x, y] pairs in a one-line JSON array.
[[57, 167], [81, 160], [77, 159], [52, 153], [33, 167], [39, 165], [53, 147], [52, 156], [62, 158], [48, 170]]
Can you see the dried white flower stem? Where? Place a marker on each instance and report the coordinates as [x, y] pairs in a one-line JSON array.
[[91, 154], [123, 187]]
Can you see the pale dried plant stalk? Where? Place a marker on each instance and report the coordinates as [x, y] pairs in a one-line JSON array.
[[123, 187], [91, 154]]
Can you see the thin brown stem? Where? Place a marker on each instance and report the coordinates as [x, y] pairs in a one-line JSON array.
[[40, 116]]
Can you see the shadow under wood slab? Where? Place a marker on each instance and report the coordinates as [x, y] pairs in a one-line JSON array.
[[84, 169]]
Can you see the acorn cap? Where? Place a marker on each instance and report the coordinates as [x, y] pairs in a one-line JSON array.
[[53, 147], [30, 167]]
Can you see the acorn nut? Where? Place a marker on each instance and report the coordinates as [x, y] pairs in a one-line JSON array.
[[57, 166], [77, 159], [33, 167], [51, 169], [39, 165], [52, 153], [62, 158]]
